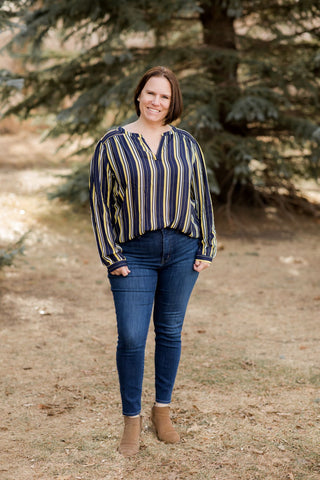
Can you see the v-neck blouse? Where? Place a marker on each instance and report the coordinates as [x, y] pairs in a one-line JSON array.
[[133, 191], [141, 138]]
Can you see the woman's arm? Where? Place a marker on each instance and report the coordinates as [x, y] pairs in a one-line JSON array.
[[100, 189], [208, 245]]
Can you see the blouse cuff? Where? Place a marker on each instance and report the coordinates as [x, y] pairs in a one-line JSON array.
[[203, 258], [115, 265]]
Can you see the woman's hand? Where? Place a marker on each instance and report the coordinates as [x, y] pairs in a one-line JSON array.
[[123, 271], [198, 266]]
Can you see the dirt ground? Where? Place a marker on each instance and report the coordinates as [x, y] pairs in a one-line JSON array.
[[247, 399]]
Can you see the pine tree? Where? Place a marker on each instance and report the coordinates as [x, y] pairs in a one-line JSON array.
[[248, 71]]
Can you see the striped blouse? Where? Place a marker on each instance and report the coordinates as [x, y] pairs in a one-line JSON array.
[[133, 191]]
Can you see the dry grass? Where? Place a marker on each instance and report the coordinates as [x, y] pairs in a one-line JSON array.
[[247, 400]]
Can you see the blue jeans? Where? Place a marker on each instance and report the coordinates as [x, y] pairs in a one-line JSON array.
[[162, 278]]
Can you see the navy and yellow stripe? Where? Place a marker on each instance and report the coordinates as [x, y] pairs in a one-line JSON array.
[[133, 191]]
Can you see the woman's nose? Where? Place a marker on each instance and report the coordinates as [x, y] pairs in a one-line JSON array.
[[156, 100]]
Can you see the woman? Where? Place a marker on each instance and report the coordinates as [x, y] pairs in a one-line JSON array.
[[153, 221]]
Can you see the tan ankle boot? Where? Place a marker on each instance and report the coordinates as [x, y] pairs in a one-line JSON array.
[[130, 441], [160, 417]]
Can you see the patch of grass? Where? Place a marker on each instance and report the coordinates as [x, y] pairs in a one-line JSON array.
[[240, 371], [315, 379], [9, 253]]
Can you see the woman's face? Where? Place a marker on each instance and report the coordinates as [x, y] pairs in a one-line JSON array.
[[155, 100]]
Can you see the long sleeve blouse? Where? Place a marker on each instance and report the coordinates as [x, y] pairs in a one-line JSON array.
[[133, 191]]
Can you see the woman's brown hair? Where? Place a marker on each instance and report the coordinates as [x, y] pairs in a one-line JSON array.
[[176, 104]]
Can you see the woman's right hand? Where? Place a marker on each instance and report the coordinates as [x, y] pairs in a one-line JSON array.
[[123, 271]]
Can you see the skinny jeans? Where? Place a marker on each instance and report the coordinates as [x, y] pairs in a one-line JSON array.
[[161, 280]]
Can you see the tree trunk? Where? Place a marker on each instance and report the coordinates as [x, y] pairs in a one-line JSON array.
[[219, 35]]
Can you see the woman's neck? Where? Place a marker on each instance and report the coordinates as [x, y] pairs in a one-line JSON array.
[[139, 126]]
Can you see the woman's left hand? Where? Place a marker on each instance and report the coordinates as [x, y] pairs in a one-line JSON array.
[[198, 266]]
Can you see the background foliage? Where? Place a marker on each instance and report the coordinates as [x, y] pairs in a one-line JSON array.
[[10, 252], [248, 70]]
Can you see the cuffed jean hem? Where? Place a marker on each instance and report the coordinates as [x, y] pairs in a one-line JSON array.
[[131, 414]]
